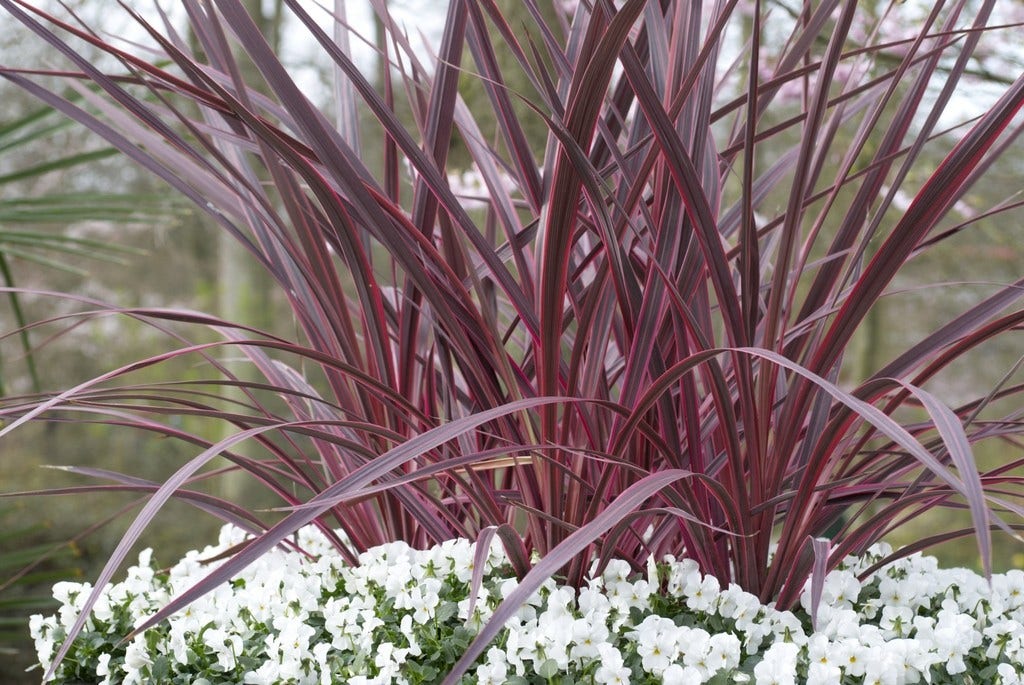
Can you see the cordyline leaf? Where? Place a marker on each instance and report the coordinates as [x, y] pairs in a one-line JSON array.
[[64, 396], [234, 338], [509, 126], [344, 93], [820, 549], [169, 488], [955, 440], [917, 546], [559, 217], [220, 508], [331, 150], [625, 525], [166, 490], [514, 548], [419, 161], [781, 290], [885, 424], [366, 474], [869, 188], [750, 257], [489, 460], [953, 330], [436, 139], [942, 189]]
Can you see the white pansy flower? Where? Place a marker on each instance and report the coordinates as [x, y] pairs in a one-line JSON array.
[[839, 591], [788, 628], [425, 599], [823, 674], [695, 649], [136, 659], [321, 651], [495, 670], [724, 652], [1009, 674], [778, 667], [657, 643], [1005, 637], [137, 656], [756, 635], [227, 647], [592, 601], [740, 606], [612, 670], [41, 631], [896, 620], [314, 620], [679, 675], [587, 635], [103, 669], [389, 659], [1010, 586], [823, 667], [851, 655], [897, 593], [554, 636], [267, 674], [703, 594], [617, 571], [681, 575], [842, 624]]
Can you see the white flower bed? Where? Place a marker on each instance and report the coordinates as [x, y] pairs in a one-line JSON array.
[[402, 616]]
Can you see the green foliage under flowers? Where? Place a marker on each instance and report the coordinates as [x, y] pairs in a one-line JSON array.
[[406, 616], [631, 345]]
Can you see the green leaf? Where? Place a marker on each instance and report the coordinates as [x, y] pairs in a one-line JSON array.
[[446, 611], [161, 667], [549, 669]]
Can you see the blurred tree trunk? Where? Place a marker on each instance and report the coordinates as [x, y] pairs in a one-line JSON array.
[[244, 290]]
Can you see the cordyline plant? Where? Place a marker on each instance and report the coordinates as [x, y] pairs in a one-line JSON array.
[[628, 345]]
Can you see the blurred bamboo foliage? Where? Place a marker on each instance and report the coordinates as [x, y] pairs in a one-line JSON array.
[[73, 216]]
